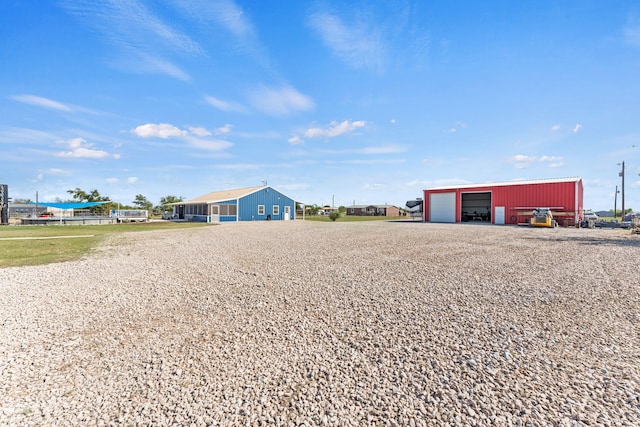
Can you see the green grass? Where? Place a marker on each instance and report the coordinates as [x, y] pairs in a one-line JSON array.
[[49, 244]]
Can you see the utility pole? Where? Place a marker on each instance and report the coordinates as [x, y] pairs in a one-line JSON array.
[[622, 195], [615, 204]]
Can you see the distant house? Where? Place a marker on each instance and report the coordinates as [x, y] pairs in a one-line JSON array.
[[242, 204], [373, 210], [326, 210]]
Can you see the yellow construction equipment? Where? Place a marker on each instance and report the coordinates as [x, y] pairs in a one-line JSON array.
[[542, 217]]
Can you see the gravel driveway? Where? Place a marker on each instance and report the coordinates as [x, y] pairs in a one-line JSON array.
[[309, 323]]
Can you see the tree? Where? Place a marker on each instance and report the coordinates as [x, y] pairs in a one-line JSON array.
[[342, 209], [142, 202], [92, 196], [312, 209], [80, 195], [166, 201], [334, 215]]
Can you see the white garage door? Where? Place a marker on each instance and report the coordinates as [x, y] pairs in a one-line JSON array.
[[442, 207]]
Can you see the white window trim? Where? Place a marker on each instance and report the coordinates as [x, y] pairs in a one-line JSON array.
[[260, 209], [276, 210]]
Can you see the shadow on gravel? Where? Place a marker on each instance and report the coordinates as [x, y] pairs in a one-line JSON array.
[[605, 239], [629, 241]]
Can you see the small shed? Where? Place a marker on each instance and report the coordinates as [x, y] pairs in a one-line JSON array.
[[506, 202], [261, 203]]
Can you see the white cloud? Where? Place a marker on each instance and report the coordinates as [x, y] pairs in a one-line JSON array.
[[199, 131], [132, 179], [550, 158], [392, 121], [79, 148], [577, 128], [295, 140], [521, 161], [111, 180], [196, 137], [156, 64], [224, 129], [42, 102], [223, 105], [334, 129], [57, 172], [356, 43], [140, 37], [230, 16], [225, 13], [161, 130], [458, 125], [280, 102], [555, 128]]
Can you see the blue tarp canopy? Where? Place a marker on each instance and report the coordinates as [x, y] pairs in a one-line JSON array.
[[69, 205]]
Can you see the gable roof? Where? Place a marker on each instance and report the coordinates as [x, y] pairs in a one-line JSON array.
[[370, 206], [505, 183], [219, 196]]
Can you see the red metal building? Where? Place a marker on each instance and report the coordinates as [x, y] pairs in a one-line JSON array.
[[505, 202]]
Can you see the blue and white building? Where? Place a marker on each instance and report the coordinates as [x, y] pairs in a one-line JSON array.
[[244, 204]]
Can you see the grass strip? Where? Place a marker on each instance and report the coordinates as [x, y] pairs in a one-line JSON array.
[[38, 245]]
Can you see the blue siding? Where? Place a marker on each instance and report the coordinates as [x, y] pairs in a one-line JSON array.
[[248, 205]]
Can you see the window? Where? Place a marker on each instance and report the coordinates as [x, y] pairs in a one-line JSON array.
[[276, 210], [260, 209]]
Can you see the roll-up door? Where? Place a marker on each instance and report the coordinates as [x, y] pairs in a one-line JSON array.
[[442, 207]]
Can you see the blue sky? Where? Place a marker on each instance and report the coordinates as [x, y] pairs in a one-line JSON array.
[[330, 102]]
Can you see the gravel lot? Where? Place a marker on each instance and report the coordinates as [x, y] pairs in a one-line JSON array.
[[307, 323]]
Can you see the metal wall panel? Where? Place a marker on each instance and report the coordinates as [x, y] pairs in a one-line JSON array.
[[248, 205]]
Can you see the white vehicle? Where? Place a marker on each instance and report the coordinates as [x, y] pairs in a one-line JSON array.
[[590, 216]]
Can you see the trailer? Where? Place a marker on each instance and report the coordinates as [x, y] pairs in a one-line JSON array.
[[414, 208], [130, 215]]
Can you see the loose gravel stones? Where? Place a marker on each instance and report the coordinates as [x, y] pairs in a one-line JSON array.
[[317, 324]]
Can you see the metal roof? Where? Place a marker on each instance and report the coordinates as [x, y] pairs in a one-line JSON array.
[[375, 206], [505, 183], [220, 196]]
